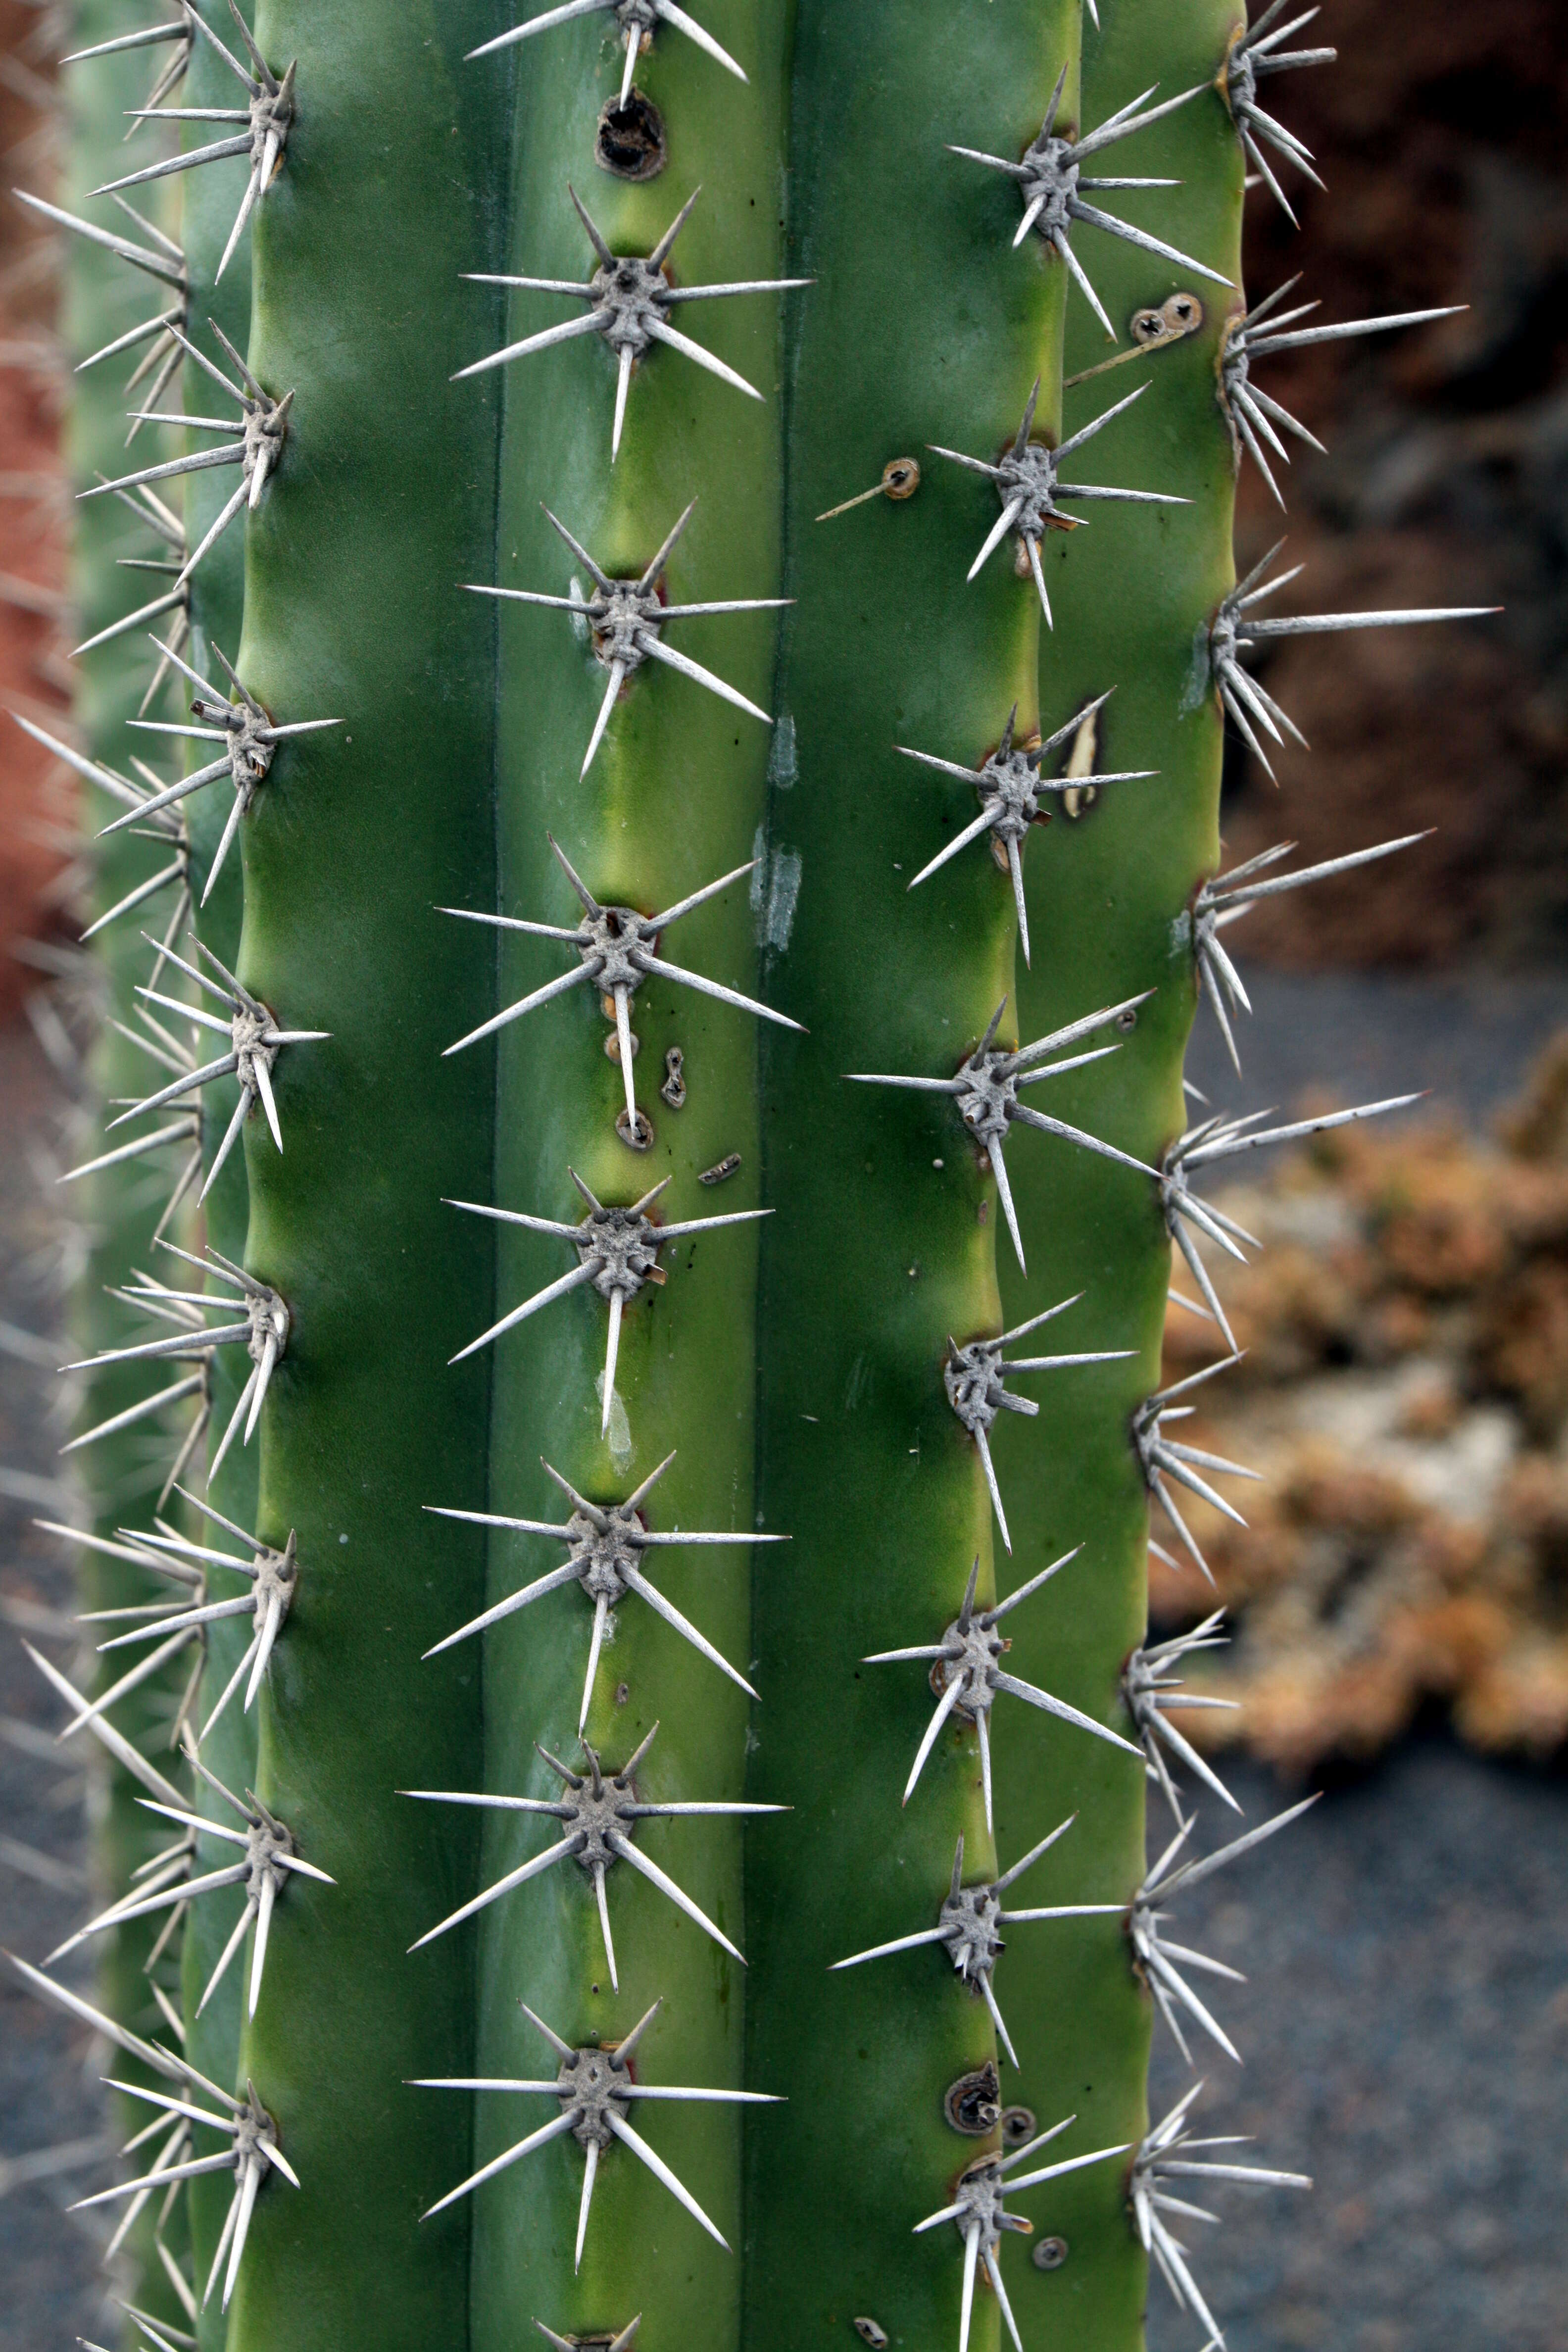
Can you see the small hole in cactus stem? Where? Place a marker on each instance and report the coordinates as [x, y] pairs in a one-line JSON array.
[[622, 1693], [973, 2104], [1128, 1020], [1049, 2255], [870, 2333], [1183, 314], [630, 140], [1017, 2125], [642, 1138]]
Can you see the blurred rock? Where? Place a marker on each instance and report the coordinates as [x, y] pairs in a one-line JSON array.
[[1404, 1393]]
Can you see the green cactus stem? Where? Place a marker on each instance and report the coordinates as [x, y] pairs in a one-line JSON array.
[[715, 762], [672, 801], [929, 326], [384, 499]]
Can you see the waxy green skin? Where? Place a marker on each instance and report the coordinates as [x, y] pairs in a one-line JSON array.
[[924, 326], [1106, 895], [384, 497], [673, 799], [464, 726], [209, 198]]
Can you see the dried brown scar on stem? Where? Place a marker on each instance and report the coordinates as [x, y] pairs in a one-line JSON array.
[[900, 480], [1177, 317]]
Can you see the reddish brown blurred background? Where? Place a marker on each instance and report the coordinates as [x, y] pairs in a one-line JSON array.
[[33, 678], [1441, 135]]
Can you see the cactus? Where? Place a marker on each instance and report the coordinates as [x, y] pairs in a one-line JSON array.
[[706, 601]]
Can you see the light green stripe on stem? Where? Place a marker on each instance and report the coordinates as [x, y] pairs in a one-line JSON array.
[[924, 326], [1107, 894], [673, 801]]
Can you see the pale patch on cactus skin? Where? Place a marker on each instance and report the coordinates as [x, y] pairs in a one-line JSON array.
[[783, 765], [775, 888], [618, 1434]]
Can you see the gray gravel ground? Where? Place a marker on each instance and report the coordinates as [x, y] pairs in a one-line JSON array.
[[1363, 1036], [1406, 2037], [1405, 2025]]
